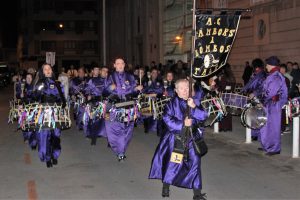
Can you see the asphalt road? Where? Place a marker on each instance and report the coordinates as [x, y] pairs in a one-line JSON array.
[[231, 169]]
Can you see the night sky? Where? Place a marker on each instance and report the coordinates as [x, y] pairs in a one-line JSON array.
[[9, 14]]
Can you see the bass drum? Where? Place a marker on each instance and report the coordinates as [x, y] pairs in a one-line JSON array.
[[254, 117]]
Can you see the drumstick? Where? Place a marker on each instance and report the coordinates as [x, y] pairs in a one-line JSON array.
[[140, 77]]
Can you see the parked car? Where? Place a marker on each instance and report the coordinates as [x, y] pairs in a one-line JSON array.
[[4, 75]]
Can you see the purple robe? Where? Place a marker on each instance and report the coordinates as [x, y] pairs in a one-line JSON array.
[[96, 127], [78, 86], [49, 140], [255, 85], [271, 132], [119, 134], [186, 174]]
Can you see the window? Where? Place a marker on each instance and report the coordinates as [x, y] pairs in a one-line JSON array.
[[70, 44], [48, 46], [177, 21], [90, 45]]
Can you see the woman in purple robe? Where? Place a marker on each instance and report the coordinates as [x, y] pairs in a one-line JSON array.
[[186, 174], [275, 95], [255, 87], [47, 90], [122, 85], [95, 90]]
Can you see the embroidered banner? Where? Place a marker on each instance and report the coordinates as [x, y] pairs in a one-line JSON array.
[[214, 37]]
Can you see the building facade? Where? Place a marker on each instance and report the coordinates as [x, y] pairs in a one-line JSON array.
[[71, 28], [134, 32], [272, 28]]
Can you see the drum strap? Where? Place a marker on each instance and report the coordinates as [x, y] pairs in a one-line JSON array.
[[62, 97]]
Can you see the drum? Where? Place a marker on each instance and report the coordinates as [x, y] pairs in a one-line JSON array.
[[159, 107], [124, 112], [35, 116], [94, 111], [234, 102], [253, 116], [147, 105], [14, 107], [215, 109]]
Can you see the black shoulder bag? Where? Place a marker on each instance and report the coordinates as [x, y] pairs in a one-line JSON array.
[[199, 145]]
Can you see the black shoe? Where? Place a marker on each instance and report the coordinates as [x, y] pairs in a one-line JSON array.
[[54, 161], [108, 145], [33, 148], [93, 141], [146, 131], [254, 138], [121, 158], [49, 164], [272, 153], [165, 192], [200, 197], [260, 149]]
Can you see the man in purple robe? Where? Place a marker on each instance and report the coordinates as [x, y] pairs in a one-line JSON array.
[[95, 90], [274, 97], [255, 87], [122, 85], [49, 91], [184, 173]]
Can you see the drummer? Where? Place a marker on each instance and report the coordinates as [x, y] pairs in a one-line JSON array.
[[77, 87], [123, 85], [255, 87], [169, 85], [153, 88], [95, 87], [274, 97], [24, 92], [49, 91]]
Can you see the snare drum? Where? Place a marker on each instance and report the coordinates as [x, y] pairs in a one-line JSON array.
[[147, 105], [159, 106], [14, 107], [124, 112], [253, 116], [35, 116], [234, 102], [94, 111], [215, 109]]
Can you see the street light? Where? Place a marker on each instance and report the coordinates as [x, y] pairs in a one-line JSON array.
[[61, 25], [178, 38]]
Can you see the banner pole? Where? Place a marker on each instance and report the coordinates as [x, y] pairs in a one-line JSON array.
[[192, 56], [193, 39]]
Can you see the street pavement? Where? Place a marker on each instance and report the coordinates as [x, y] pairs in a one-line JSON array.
[[231, 169]]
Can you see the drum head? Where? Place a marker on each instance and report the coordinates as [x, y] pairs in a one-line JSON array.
[[254, 117]]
